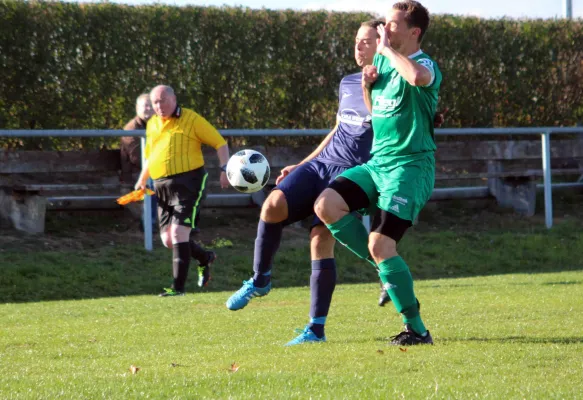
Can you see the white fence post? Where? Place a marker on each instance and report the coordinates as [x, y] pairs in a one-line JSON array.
[[147, 209], [546, 156]]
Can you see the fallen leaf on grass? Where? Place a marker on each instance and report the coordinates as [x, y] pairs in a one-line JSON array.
[[175, 365], [134, 369], [234, 367], [402, 349], [380, 351]]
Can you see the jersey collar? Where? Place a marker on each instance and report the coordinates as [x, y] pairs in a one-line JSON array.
[[416, 54], [177, 112]]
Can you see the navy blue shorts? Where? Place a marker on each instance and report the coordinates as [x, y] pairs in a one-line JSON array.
[[303, 186]]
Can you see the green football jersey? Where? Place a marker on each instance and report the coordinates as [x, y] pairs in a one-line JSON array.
[[402, 114]]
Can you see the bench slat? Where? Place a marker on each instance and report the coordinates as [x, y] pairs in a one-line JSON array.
[[22, 162], [39, 187]]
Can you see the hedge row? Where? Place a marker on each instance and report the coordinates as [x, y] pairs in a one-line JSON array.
[[67, 65]]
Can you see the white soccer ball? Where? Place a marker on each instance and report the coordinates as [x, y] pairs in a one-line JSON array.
[[248, 171]]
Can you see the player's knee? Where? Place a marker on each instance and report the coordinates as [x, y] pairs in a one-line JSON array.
[[381, 247], [325, 207], [166, 239], [275, 207], [179, 234]]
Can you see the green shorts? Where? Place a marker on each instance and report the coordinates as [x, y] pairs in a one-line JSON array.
[[402, 190]]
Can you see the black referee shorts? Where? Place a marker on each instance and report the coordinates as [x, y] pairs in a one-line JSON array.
[[179, 197]]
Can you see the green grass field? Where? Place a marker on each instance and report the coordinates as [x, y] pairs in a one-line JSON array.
[[502, 296]]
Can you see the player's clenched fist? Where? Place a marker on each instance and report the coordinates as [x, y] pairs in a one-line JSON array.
[[369, 75]]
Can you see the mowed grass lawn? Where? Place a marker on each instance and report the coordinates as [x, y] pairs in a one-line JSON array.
[[502, 296], [507, 336]]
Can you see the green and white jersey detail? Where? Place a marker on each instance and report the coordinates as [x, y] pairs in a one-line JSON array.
[[402, 114]]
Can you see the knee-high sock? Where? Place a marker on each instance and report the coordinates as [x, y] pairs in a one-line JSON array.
[[266, 245], [180, 264], [199, 253], [349, 231], [398, 283], [322, 284]]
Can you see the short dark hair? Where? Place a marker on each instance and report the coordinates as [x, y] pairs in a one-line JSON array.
[[374, 24], [415, 15]]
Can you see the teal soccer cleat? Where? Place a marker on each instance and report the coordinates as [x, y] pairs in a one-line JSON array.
[[307, 336], [243, 296]]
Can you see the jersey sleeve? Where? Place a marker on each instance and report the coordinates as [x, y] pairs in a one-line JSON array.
[[427, 63], [207, 133]]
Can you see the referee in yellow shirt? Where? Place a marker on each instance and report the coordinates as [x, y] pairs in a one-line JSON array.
[[174, 161]]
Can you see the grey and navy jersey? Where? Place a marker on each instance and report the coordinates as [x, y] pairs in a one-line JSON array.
[[351, 143]]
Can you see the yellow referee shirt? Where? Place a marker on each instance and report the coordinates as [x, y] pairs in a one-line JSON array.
[[174, 146]]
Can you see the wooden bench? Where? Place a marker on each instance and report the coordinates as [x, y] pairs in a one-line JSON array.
[[508, 170], [32, 182]]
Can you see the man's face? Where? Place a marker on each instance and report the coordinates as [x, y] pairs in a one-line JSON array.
[[163, 103], [365, 46], [398, 31], [144, 108]]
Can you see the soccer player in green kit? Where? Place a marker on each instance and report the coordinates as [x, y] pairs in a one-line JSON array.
[[401, 91]]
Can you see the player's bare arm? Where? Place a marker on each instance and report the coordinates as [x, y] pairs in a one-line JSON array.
[[288, 170], [369, 76], [143, 178], [413, 72], [223, 155]]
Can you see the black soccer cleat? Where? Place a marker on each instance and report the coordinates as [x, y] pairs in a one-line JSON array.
[[410, 338], [204, 271]]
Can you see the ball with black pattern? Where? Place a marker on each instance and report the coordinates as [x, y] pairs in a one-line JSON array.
[[248, 171]]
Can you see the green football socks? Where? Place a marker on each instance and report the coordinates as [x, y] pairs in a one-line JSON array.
[[398, 283], [350, 232]]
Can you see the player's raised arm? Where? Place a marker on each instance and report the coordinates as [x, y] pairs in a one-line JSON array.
[[413, 72], [369, 76]]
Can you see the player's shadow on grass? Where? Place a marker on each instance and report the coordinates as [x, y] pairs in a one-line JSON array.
[[503, 340], [517, 339]]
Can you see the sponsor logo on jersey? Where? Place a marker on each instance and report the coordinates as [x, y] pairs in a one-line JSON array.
[[351, 117], [386, 105], [400, 200], [395, 208]]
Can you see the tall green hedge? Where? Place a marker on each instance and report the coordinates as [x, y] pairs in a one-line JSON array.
[[67, 65]]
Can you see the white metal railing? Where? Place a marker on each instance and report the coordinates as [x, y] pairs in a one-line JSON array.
[[544, 132]]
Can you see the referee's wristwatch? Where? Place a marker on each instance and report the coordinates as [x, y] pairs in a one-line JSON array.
[[224, 168]]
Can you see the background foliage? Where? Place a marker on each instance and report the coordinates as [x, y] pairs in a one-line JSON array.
[[66, 65]]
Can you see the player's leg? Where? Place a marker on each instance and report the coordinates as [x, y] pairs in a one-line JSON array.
[[267, 241], [323, 278], [185, 199], [289, 202], [180, 255], [352, 191], [322, 285], [165, 212], [205, 258], [403, 192], [269, 230]]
